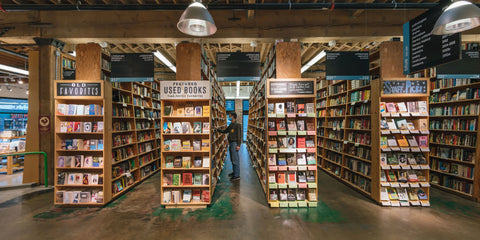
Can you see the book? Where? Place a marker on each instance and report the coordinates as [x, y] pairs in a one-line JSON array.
[[422, 141], [205, 144], [272, 125], [391, 124], [301, 142], [197, 162], [186, 145], [167, 128], [167, 145], [290, 107], [196, 195], [300, 106], [383, 159], [206, 127], [421, 194], [402, 159], [176, 179], [100, 126], [272, 159], [402, 176], [197, 127], [292, 177], [167, 196], [391, 107], [383, 176], [391, 177], [392, 193], [412, 195], [309, 108], [302, 177], [412, 107], [87, 161], [197, 145], [310, 159], [205, 179], [206, 162], [383, 108], [281, 178], [402, 194], [273, 195], [59, 197], [205, 196], [392, 141], [412, 141], [310, 124], [61, 161], [197, 179], [187, 195], [392, 159], [411, 159], [177, 128], [291, 194], [291, 142], [383, 142], [291, 125], [309, 143], [198, 111], [186, 128], [206, 111], [272, 177], [422, 107], [301, 159], [301, 125], [283, 195], [61, 178], [280, 108], [312, 195], [271, 108], [78, 160], [87, 127], [167, 110], [189, 111], [281, 126], [423, 124], [281, 160], [291, 159], [186, 161], [402, 141], [401, 123], [180, 111], [412, 176], [69, 161], [402, 107], [177, 162]]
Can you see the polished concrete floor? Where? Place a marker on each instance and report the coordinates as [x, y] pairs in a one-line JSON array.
[[240, 211], [11, 180]]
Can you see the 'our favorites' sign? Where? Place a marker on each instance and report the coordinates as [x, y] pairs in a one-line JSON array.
[[405, 87], [79, 89], [185, 90]]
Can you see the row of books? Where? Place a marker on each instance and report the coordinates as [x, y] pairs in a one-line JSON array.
[[402, 176], [122, 168], [361, 138], [334, 157], [122, 183], [186, 162], [189, 110], [402, 194], [81, 127], [335, 101], [451, 82], [141, 102], [358, 180], [122, 139], [119, 111], [461, 170], [291, 159], [79, 161], [106, 64], [469, 93], [79, 109], [454, 124], [360, 123], [362, 109], [401, 107], [291, 107], [186, 196], [322, 113], [186, 127], [144, 113], [141, 90], [291, 142], [322, 103], [453, 153], [141, 125], [291, 177], [456, 139], [292, 194], [334, 145], [359, 83], [185, 179], [75, 197], [458, 110], [359, 166], [118, 97], [145, 147], [81, 144], [186, 145], [334, 169], [402, 159], [360, 151], [121, 126], [65, 178], [404, 141], [404, 124], [291, 125], [358, 96], [148, 170], [144, 136], [335, 89], [452, 182], [70, 64], [337, 124], [333, 134], [336, 112]]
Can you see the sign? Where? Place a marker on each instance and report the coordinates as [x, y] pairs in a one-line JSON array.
[[11, 105], [467, 67], [283, 88], [423, 50], [246, 105], [405, 87], [185, 90], [68, 74], [79, 89], [44, 124], [238, 66], [132, 67], [230, 105], [347, 66]]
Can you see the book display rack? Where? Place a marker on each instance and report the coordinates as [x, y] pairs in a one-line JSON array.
[[454, 134], [256, 137], [291, 166], [82, 143]]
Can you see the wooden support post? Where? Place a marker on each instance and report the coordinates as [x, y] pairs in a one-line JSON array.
[[88, 62], [289, 57], [391, 60], [188, 60]]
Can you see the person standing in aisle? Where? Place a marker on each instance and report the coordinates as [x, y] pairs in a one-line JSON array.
[[234, 131]]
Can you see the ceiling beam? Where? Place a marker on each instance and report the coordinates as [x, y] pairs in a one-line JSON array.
[[360, 11]]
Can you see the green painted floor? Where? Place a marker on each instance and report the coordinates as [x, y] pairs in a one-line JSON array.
[[240, 211]]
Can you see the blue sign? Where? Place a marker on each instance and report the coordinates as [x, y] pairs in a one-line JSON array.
[[246, 105], [230, 105]]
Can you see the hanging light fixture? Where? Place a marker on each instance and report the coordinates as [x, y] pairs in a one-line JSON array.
[[196, 21], [458, 17]]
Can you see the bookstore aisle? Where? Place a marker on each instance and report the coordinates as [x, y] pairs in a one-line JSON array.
[[239, 210]]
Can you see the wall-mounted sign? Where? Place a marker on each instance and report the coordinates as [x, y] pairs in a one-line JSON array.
[[467, 67], [79, 89], [185, 90], [230, 105], [132, 67], [44, 124], [285, 88], [405, 87], [423, 50], [238, 66], [347, 66]]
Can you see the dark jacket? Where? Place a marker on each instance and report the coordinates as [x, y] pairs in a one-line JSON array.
[[234, 131]]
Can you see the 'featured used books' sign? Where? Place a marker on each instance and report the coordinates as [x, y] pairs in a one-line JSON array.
[[405, 87], [185, 90], [79, 89]]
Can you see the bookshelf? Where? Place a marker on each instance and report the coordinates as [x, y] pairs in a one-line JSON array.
[[454, 124], [291, 169], [135, 131], [192, 156], [93, 62], [256, 136], [82, 143], [68, 66]]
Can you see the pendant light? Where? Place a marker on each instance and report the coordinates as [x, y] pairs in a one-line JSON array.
[[458, 17], [196, 21]]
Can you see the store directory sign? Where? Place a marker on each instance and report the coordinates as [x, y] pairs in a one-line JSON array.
[[347, 66], [132, 67], [238, 66]]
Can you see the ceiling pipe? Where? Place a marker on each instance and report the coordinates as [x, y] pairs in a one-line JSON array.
[[181, 7]]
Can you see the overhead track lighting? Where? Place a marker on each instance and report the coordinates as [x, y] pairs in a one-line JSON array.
[[458, 17], [196, 21], [314, 60], [13, 69], [165, 61]]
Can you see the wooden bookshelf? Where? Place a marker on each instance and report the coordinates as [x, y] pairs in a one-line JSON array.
[[68, 66], [135, 130], [219, 144], [93, 62], [291, 168], [454, 136], [256, 137], [85, 183]]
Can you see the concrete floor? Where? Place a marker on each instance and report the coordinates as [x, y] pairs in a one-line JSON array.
[[11, 180], [240, 211]]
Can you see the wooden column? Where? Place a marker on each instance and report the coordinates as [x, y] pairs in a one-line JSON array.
[[289, 60], [188, 59], [41, 85], [391, 60], [88, 61]]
